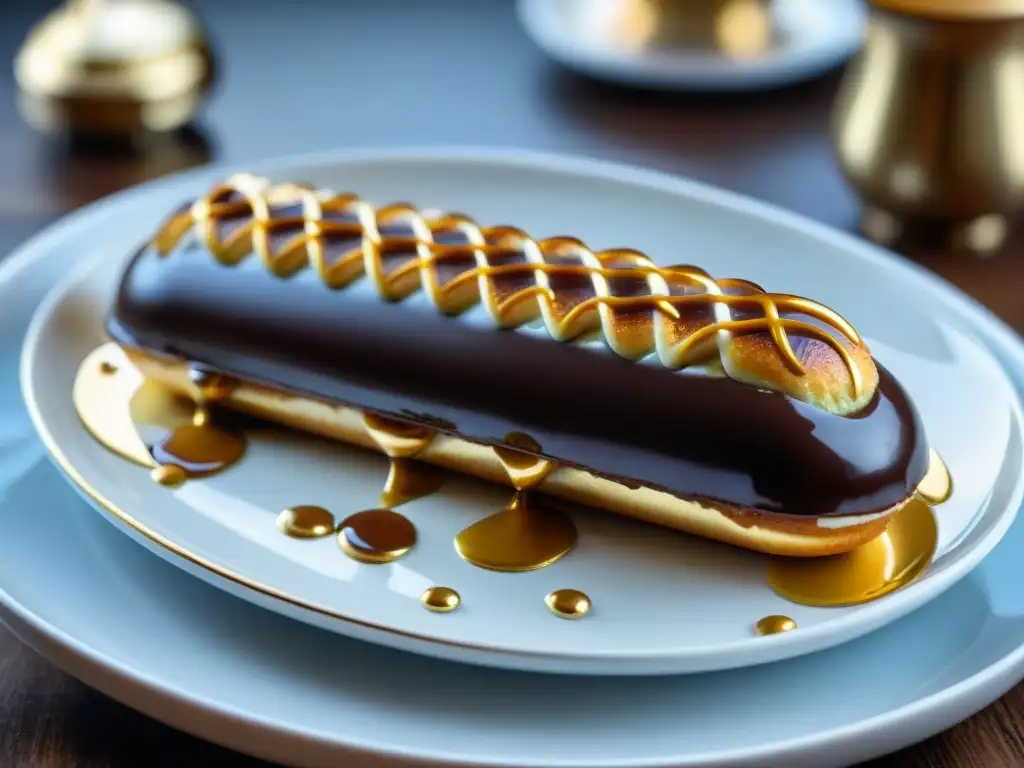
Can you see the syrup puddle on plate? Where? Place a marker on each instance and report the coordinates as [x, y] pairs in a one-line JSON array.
[[147, 423], [875, 569], [529, 533]]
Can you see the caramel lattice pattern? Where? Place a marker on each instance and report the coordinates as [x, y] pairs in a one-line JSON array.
[[293, 226]]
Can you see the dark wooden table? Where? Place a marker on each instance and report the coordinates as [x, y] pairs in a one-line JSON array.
[[306, 75]]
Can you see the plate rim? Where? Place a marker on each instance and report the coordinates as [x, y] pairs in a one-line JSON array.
[[888, 722], [643, 662]]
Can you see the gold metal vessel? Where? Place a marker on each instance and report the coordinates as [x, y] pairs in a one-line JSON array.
[[928, 121], [114, 68]]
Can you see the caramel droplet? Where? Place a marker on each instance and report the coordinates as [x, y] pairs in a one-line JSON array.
[[937, 485], [525, 471], [568, 603], [376, 536], [306, 521], [891, 561], [524, 536], [440, 599], [169, 475], [774, 625], [398, 439]]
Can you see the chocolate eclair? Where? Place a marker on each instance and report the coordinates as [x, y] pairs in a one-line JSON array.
[[706, 405]]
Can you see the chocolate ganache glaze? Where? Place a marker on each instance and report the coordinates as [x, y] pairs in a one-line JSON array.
[[697, 437]]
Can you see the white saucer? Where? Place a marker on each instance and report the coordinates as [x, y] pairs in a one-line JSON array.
[[143, 632], [648, 584], [584, 35]]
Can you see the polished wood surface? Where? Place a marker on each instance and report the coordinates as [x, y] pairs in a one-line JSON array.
[[304, 76]]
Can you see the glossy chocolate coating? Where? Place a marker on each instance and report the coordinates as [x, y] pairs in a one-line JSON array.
[[693, 436]]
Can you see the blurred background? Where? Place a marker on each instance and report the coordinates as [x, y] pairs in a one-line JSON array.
[[899, 120]]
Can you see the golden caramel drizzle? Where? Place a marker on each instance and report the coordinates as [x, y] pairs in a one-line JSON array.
[[525, 471], [568, 603], [252, 199], [524, 536], [200, 448], [409, 480], [398, 439], [401, 441], [148, 423], [893, 560], [440, 599], [527, 534], [383, 535], [774, 625]]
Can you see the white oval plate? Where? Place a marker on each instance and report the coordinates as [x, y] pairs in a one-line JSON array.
[[663, 602], [156, 639], [581, 35]]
